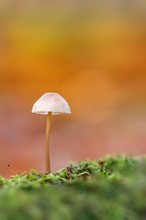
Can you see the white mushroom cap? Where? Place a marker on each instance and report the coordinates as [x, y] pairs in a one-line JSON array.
[[51, 102]]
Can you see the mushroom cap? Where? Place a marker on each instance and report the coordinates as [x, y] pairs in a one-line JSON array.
[[51, 102]]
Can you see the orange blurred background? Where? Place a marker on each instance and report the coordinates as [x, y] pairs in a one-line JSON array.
[[91, 52]]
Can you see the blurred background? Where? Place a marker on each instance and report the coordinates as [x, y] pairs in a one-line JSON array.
[[91, 52]]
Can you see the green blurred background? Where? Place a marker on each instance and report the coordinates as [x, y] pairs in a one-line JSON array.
[[91, 52]]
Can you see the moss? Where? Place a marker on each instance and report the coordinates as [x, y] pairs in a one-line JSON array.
[[110, 189]]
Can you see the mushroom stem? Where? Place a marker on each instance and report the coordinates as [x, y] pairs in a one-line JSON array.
[[48, 169]]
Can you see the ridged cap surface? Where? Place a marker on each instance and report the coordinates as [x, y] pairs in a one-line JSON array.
[[51, 102]]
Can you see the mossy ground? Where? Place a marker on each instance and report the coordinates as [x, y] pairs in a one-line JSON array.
[[110, 189]]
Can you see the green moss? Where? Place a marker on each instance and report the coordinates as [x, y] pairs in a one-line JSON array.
[[110, 189]]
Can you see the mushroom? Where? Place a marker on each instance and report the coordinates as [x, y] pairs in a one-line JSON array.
[[50, 104]]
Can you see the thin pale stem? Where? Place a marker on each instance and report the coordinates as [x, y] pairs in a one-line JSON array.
[[48, 126]]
